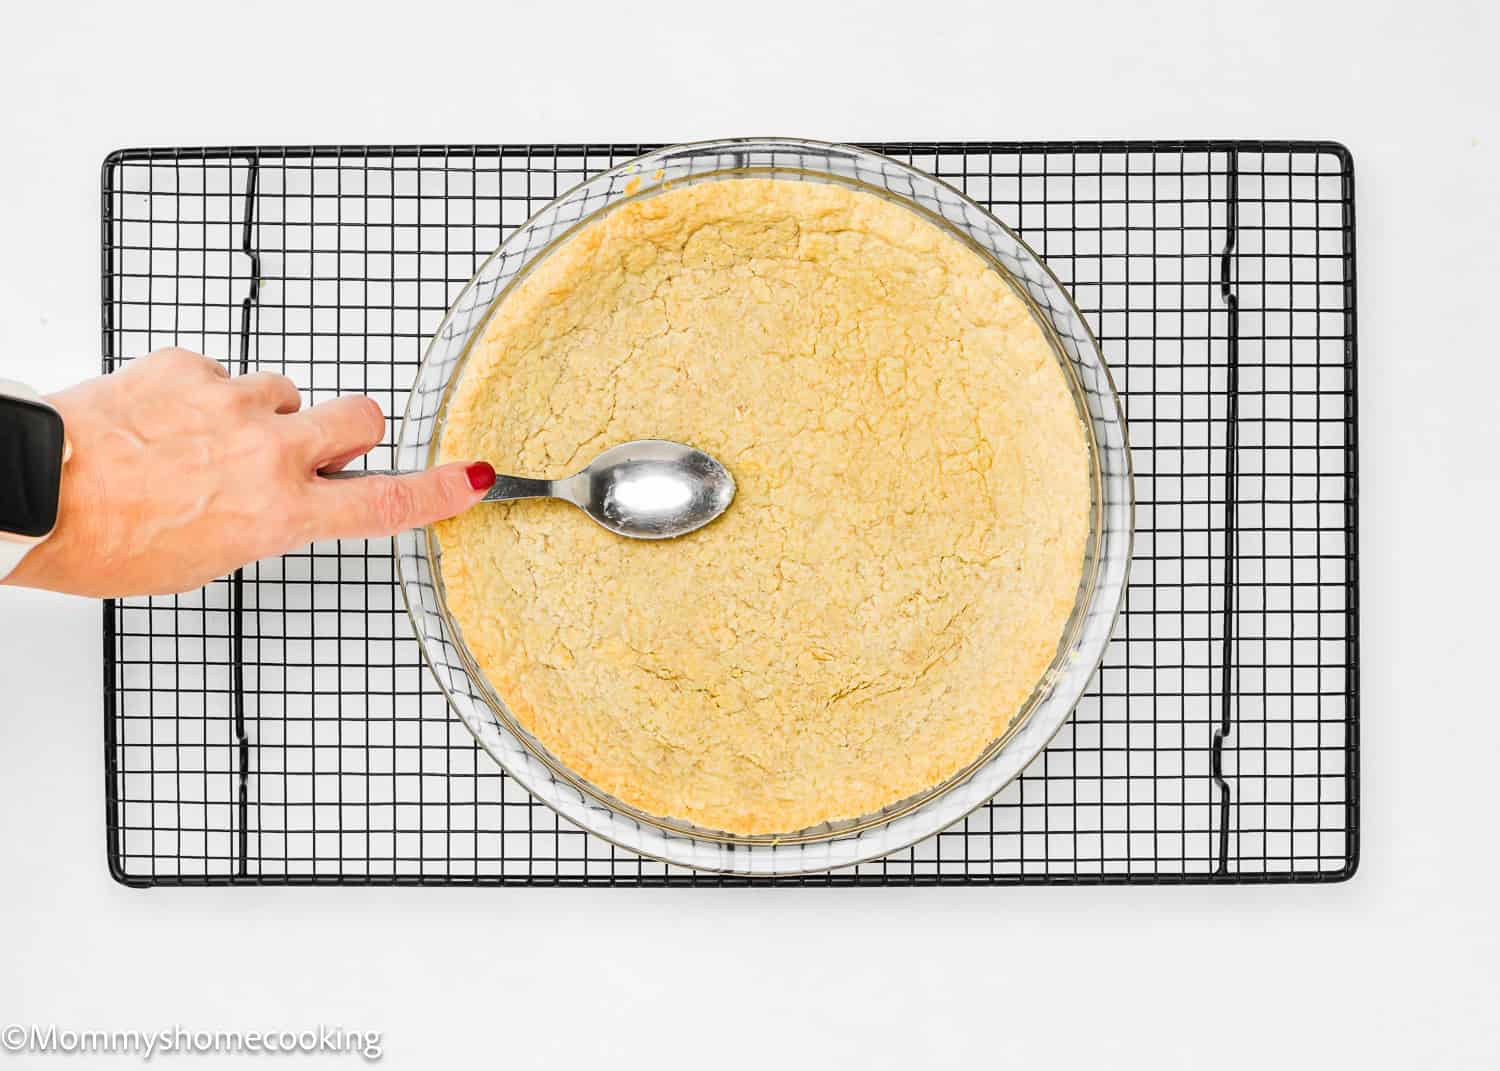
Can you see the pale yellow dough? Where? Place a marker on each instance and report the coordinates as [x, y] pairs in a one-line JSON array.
[[896, 571]]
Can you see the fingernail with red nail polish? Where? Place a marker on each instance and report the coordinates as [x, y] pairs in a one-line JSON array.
[[481, 475]]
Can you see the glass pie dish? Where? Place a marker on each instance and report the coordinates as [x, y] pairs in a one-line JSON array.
[[828, 845]]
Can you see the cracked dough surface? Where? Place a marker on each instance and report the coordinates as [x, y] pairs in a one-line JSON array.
[[906, 543]]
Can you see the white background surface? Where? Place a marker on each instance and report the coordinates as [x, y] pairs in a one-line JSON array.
[[1400, 966]]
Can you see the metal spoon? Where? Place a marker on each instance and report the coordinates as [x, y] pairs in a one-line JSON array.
[[646, 489]]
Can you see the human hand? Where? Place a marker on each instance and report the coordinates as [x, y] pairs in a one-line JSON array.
[[180, 474]]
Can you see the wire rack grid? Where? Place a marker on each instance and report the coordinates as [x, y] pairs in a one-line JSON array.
[[279, 727]]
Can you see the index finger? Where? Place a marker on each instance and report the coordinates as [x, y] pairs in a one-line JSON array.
[[376, 506]]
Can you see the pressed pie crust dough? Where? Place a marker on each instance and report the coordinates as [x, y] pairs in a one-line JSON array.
[[895, 573]]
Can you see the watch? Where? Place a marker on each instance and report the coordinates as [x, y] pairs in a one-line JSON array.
[[33, 448]]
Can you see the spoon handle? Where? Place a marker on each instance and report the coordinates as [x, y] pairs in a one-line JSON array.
[[505, 489], [509, 487], [356, 474]]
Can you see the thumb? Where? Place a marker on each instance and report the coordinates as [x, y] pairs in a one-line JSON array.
[[373, 507]]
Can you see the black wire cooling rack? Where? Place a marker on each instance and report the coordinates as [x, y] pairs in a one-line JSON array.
[[279, 727]]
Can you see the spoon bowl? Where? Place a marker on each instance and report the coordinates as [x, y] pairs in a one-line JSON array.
[[651, 489]]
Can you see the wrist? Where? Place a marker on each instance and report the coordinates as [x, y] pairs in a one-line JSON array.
[[34, 450], [45, 561]]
